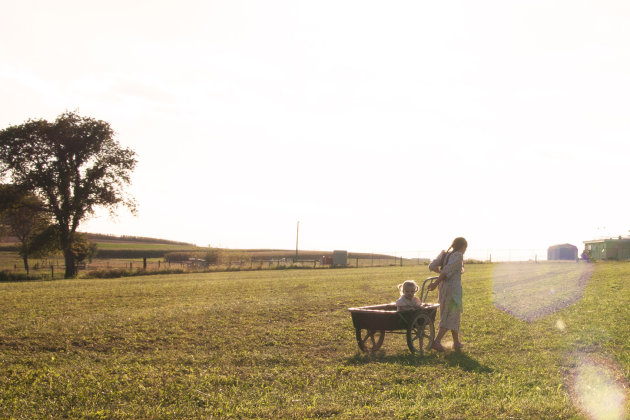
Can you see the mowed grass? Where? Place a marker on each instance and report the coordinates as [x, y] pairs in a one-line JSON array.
[[280, 344]]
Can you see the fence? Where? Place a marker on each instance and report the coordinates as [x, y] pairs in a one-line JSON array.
[[54, 268], [484, 255]]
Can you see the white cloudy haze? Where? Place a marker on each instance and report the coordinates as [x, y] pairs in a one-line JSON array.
[[380, 126]]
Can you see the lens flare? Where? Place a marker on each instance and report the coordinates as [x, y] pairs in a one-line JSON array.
[[530, 290], [598, 388], [560, 324]]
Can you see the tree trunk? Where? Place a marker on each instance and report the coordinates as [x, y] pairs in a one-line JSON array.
[[71, 264], [66, 238], [25, 259]]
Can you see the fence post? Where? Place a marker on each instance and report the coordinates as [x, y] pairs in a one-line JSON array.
[[52, 271], [144, 263]]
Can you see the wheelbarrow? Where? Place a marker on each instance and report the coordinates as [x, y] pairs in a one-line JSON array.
[[372, 322]]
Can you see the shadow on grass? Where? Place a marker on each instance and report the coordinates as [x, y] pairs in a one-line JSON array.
[[465, 362], [455, 359]]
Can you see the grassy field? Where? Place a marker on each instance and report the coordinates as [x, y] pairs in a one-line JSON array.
[[280, 344]]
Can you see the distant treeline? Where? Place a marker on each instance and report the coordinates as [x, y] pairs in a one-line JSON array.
[[124, 238], [131, 253]]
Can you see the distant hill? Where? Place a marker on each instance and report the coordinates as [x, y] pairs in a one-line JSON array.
[[112, 246], [114, 239]]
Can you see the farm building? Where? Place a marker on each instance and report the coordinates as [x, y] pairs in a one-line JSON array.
[[562, 252], [340, 258], [608, 249]]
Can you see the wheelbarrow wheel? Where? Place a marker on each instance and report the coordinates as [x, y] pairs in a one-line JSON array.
[[420, 334], [370, 340]]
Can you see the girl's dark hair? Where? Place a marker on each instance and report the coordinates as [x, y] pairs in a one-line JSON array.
[[458, 244]]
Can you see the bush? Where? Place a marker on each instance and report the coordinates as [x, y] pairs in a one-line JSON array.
[[107, 274], [213, 256], [473, 261], [7, 276]]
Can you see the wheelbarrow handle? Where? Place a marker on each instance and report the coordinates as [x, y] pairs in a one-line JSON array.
[[423, 295]]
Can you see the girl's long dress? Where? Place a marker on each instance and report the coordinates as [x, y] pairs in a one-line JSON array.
[[450, 290]]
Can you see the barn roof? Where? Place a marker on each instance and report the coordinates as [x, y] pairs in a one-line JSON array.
[[563, 246]]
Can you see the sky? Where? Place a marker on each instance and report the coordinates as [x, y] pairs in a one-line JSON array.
[[389, 127]]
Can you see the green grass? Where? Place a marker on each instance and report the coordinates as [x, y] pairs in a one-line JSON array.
[[280, 344]]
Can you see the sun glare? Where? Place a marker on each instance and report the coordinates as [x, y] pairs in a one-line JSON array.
[[598, 388], [532, 290], [560, 324]]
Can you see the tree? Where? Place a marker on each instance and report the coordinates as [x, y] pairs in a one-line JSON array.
[[73, 165], [45, 242], [23, 215]]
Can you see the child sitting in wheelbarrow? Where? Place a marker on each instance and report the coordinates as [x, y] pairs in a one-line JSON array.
[[408, 300]]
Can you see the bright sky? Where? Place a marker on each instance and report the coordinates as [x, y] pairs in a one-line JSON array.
[[379, 126]]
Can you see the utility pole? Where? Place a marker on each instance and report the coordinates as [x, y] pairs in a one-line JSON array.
[[297, 237]]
